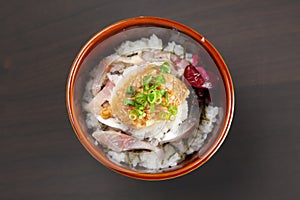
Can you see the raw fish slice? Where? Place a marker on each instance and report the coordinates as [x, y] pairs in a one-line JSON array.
[[182, 64], [159, 57], [119, 142], [156, 56], [113, 122], [135, 60], [102, 68], [104, 95], [148, 55], [176, 63]]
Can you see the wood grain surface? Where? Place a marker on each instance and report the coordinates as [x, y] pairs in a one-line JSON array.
[[41, 157]]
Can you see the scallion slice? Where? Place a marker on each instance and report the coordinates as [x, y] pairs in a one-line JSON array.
[[173, 110], [151, 97], [164, 115], [152, 107], [165, 68], [128, 102], [158, 99], [160, 79], [132, 115], [130, 91], [147, 80], [141, 98]]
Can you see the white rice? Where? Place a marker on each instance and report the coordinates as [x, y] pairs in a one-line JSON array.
[[167, 157], [144, 43]]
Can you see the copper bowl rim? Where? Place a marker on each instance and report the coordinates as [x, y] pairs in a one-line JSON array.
[[158, 22]]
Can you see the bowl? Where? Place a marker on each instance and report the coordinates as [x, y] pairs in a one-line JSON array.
[[105, 42]]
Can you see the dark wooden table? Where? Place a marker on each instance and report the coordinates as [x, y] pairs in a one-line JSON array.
[[41, 157]]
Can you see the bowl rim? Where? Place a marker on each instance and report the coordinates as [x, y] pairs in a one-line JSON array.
[[157, 22]]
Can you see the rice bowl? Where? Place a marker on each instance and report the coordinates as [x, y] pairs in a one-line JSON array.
[[153, 106]]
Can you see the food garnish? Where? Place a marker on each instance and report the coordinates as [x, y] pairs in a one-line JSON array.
[[144, 100]]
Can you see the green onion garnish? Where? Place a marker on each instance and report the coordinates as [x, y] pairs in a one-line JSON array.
[[146, 87], [160, 79], [166, 95], [173, 110], [147, 80], [130, 91], [158, 99], [166, 100], [140, 107], [140, 113], [154, 86], [151, 93], [132, 115], [165, 68], [151, 97], [141, 98], [164, 115], [128, 102], [152, 107]]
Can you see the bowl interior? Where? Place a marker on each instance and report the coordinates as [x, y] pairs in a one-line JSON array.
[[104, 44]]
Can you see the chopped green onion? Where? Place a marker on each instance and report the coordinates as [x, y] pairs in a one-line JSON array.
[[160, 79], [158, 93], [154, 86], [130, 91], [152, 107], [147, 80], [146, 87], [140, 107], [151, 97], [128, 102], [158, 100], [166, 100], [139, 112], [152, 94], [141, 102], [173, 110], [132, 115], [164, 115], [166, 95], [151, 91], [133, 112], [158, 97], [165, 68], [141, 98]]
